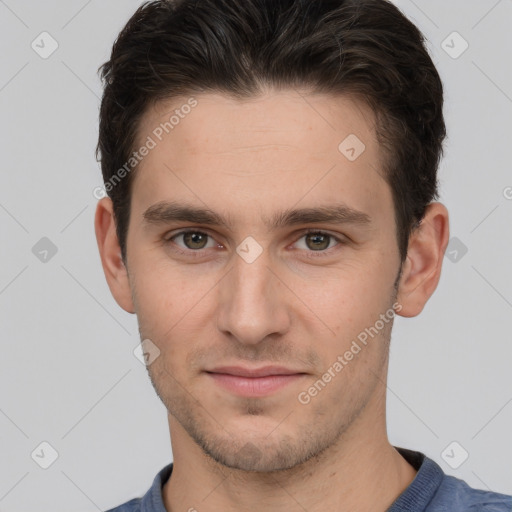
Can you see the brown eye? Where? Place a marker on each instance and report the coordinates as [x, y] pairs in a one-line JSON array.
[[317, 241], [192, 240], [195, 240]]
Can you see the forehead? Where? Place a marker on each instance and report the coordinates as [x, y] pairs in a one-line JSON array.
[[274, 117], [275, 148]]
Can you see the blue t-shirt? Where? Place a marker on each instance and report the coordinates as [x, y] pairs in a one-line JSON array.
[[430, 491]]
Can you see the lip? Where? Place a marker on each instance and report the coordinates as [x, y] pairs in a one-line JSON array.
[[264, 371], [254, 382]]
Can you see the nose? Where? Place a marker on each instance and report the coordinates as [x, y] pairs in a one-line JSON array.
[[252, 301]]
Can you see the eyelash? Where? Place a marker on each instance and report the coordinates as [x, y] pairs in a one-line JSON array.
[[199, 252]]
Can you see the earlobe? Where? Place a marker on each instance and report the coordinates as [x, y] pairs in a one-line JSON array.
[[422, 268], [110, 253]]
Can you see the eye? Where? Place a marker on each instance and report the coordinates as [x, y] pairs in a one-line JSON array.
[[193, 240], [317, 241]]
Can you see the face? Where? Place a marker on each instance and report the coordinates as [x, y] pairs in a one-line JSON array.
[[254, 285]]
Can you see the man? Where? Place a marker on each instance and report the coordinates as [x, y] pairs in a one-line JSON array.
[[271, 168]]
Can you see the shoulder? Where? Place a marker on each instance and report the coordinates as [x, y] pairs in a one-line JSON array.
[[130, 506], [152, 501], [455, 494]]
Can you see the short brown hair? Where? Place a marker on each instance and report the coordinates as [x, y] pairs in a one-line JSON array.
[[367, 48]]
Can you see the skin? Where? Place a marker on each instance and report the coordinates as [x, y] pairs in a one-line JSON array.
[[248, 160]]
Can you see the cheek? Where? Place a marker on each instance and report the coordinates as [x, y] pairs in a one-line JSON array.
[[173, 311], [164, 293], [346, 300]]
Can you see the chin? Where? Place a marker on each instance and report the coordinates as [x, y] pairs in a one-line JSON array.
[[261, 452]]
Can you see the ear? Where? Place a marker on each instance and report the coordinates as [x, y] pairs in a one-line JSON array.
[[110, 253], [422, 267]]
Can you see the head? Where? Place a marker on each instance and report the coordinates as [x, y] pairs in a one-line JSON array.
[[253, 122]]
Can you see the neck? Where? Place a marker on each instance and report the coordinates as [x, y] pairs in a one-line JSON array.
[[362, 472]]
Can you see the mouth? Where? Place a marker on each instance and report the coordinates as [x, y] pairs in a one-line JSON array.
[[254, 382]]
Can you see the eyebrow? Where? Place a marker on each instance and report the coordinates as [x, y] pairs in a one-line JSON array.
[[166, 212]]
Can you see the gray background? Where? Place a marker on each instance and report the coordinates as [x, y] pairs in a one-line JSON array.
[[68, 375]]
